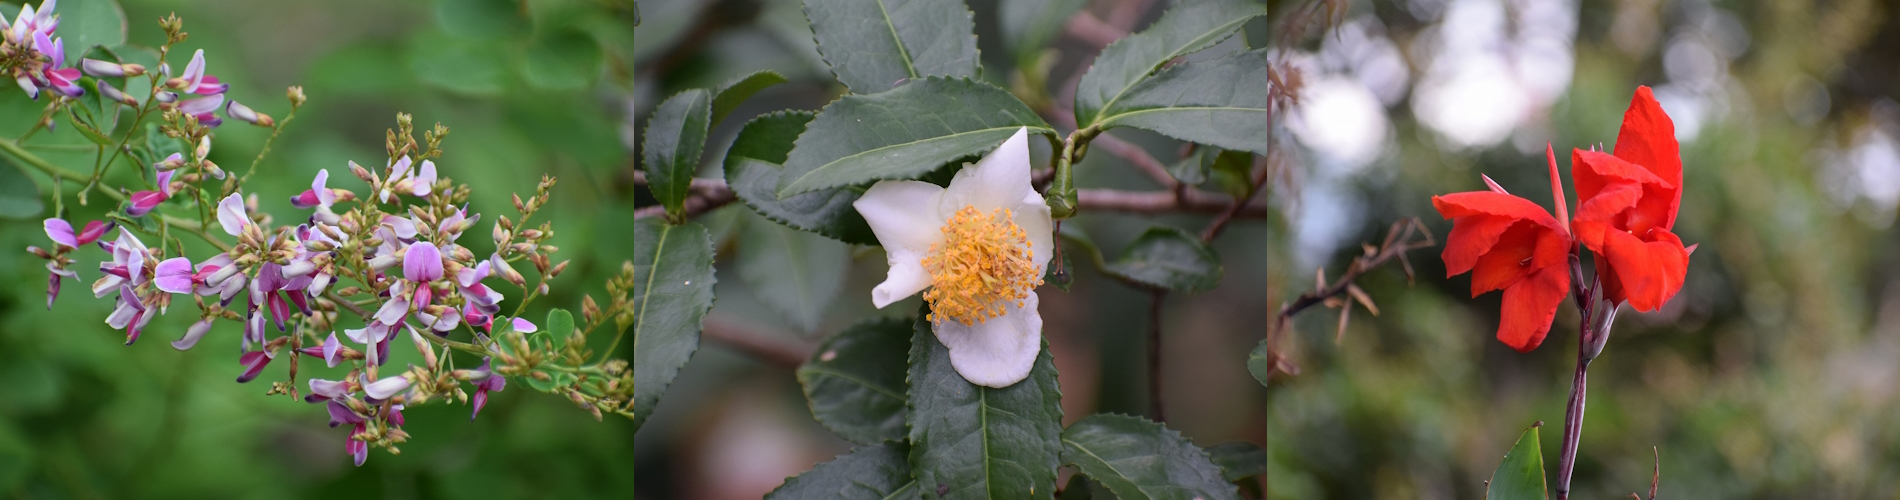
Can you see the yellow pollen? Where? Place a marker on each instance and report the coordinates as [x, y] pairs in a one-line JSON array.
[[983, 264]]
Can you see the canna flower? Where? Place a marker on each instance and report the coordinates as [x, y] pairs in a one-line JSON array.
[[1512, 244], [486, 381], [1627, 207], [979, 247]]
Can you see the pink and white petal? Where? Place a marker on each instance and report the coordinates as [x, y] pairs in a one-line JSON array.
[[995, 353], [523, 326], [386, 387], [425, 179], [321, 186], [232, 215], [192, 335], [999, 180], [61, 232], [194, 71], [423, 263], [174, 275]]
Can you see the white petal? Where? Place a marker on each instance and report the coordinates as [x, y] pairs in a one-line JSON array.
[[1034, 219], [997, 181], [232, 216], [904, 217], [998, 352]]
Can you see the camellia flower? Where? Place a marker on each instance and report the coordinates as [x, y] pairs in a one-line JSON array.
[[979, 247], [1628, 204], [1512, 244]]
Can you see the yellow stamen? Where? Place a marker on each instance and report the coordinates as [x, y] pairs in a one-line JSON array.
[[983, 264]]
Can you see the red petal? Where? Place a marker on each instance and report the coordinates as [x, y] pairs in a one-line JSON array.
[[1609, 202], [1648, 138], [1592, 171], [1470, 238], [1529, 307], [1650, 272], [1508, 261], [1470, 203]]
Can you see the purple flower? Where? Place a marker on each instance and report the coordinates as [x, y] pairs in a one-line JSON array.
[[449, 224], [131, 314], [523, 326], [232, 215], [109, 69], [195, 81], [111, 93], [253, 331], [485, 381], [53, 281], [126, 267], [204, 108], [398, 170], [254, 362], [476, 317], [192, 334], [424, 181], [423, 263], [328, 351], [62, 80], [174, 275], [326, 390], [387, 387], [319, 194], [375, 338], [61, 232]]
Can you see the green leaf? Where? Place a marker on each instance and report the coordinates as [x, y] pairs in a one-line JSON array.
[[737, 90], [793, 272], [970, 441], [1259, 364], [1194, 169], [675, 135], [560, 324], [1521, 475], [1183, 30], [565, 60], [903, 134], [1139, 459], [1221, 102], [482, 18], [1239, 460], [752, 171], [869, 473], [873, 45], [672, 290], [1170, 259], [467, 67], [1029, 25], [86, 23], [85, 129], [855, 381], [19, 195]]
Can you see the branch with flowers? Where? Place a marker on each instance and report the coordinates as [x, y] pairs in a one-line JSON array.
[[379, 261]]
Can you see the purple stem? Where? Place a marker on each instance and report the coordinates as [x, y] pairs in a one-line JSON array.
[[1593, 332]]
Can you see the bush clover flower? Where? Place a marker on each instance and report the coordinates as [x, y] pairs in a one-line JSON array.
[[976, 250]]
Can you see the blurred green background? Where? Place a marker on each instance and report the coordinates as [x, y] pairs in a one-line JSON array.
[[1772, 375]]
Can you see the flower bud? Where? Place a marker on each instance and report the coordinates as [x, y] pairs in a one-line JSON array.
[[109, 69], [247, 115], [110, 93], [166, 99], [173, 162], [295, 94]]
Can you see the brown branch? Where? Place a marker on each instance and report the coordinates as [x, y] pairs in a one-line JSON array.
[[1155, 405], [708, 194], [1398, 240], [1138, 157], [1093, 30], [774, 349]]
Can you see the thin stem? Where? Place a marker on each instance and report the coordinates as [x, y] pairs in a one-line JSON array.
[[1573, 423], [267, 143], [1155, 405]]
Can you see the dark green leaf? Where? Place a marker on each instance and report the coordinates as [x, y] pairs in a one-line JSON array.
[[1170, 259], [1521, 475], [482, 18], [970, 441], [903, 133], [855, 382], [1192, 170], [1232, 171], [1239, 460], [460, 66], [85, 23], [873, 45], [672, 290], [19, 195], [674, 137], [869, 473], [560, 324], [735, 91], [1221, 102], [1142, 460], [564, 60], [752, 170], [86, 129], [793, 272], [1029, 25], [1184, 29], [1078, 488]]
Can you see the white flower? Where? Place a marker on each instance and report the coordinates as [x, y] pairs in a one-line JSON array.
[[979, 246]]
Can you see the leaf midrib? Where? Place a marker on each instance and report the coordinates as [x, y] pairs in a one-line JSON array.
[[1111, 119], [795, 188], [848, 378], [653, 272], [1111, 467], [902, 53], [1224, 28]]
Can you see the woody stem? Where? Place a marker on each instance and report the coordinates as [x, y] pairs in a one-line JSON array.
[[1590, 339]]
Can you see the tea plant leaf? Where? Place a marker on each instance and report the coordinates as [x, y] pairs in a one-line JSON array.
[[753, 166], [673, 289], [855, 381], [874, 45], [1140, 459], [970, 441], [675, 135], [1182, 30], [903, 133]]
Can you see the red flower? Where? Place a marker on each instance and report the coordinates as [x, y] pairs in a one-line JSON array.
[[1512, 244], [1628, 206]]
